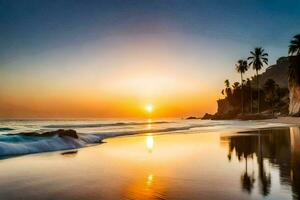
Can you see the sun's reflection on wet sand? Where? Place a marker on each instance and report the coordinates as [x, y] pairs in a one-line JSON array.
[[150, 143], [149, 180], [145, 187]]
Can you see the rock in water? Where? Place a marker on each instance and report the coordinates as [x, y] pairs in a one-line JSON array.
[[191, 117], [59, 132], [207, 116], [69, 133]]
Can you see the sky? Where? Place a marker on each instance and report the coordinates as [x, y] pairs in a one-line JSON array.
[[71, 58]]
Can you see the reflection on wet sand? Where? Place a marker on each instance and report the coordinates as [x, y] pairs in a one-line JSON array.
[[150, 143], [146, 187], [262, 164], [278, 148]]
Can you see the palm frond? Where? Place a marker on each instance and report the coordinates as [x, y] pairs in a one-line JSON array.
[[294, 47]]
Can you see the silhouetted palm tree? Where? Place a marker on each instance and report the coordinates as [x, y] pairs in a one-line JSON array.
[[235, 86], [242, 67], [227, 83], [228, 91], [294, 48], [257, 59], [248, 84]]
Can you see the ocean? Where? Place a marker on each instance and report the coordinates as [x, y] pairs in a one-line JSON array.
[[93, 131]]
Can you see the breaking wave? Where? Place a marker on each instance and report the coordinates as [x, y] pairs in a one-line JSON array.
[[19, 144], [5, 129]]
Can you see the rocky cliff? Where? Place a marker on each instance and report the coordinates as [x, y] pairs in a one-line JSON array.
[[294, 86], [224, 106], [286, 73], [278, 72], [294, 106]]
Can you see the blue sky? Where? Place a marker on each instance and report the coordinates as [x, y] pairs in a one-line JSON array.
[[28, 27]]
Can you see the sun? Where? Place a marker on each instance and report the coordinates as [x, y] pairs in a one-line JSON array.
[[149, 108]]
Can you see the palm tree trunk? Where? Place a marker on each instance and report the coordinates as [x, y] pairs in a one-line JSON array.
[[242, 97], [272, 109], [251, 103], [246, 164], [257, 83]]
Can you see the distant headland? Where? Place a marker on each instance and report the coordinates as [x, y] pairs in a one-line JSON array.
[[276, 92]]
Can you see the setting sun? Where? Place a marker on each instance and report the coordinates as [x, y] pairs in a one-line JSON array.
[[149, 108]]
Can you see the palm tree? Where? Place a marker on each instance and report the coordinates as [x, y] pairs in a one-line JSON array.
[[228, 91], [242, 67], [294, 52], [294, 48], [227, 83], [257, 59], [248, 84]]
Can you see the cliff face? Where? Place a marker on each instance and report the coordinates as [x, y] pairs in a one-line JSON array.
[[294, 107], [225, 110], [224, 106], [277, 72], [280, 74], [294, 86]]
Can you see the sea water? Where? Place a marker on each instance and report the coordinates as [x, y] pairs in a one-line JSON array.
[[93, 131]]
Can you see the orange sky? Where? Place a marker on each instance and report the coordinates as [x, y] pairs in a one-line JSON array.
[[117, 78]]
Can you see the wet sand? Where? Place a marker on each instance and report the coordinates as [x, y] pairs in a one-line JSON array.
[[285, 120], [215, 165]]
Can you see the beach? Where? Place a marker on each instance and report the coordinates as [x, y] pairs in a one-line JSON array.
[[285, 120], [212, 160]]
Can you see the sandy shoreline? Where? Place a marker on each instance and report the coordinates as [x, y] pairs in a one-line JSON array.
[[152, 166], [285, 120]]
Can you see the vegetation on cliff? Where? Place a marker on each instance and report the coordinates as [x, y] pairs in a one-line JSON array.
[[273, 99], [242, 99]]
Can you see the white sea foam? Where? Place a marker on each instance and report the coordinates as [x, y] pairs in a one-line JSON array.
[[94, 125]]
